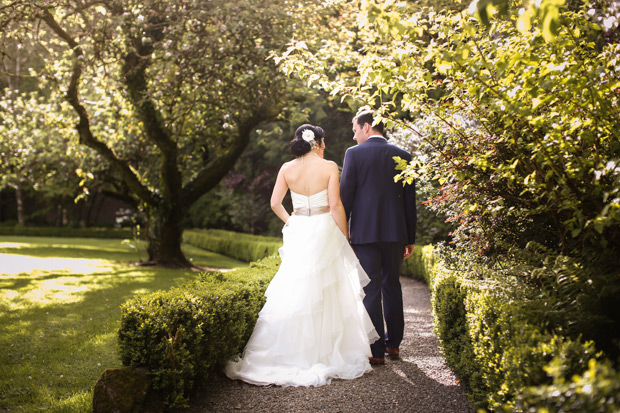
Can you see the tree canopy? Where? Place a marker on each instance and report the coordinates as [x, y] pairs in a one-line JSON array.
[[519, 137], [167, 93], [520, 133]]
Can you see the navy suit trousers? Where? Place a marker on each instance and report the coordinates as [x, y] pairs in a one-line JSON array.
[[382, 262]]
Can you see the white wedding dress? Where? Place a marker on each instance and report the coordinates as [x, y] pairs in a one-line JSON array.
[[313, 327]]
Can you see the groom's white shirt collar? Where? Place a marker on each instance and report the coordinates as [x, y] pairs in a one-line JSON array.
[[377, 136]]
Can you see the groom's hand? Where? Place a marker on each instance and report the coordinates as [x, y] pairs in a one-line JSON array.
[[408, 251]]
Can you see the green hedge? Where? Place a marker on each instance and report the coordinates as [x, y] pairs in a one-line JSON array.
[[507, 362], [19, 230], [244, 247], [420, 264], [187, 333]]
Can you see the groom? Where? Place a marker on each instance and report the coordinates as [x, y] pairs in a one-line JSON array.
[[382, 225]]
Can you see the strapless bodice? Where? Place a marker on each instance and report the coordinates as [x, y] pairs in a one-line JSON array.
[[313, 201]]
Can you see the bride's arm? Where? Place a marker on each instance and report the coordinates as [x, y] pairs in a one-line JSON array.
[[335, 203], [279, 191]]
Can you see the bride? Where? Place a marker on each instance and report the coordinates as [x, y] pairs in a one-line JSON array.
[[313, 327]]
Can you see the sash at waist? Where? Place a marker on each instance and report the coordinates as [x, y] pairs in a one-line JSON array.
[[311, 211]]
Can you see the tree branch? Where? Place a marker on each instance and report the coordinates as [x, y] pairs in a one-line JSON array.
[[83, 127], [134, 69], [215, 170]]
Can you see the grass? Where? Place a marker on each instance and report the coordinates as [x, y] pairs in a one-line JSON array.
[[59, 314]]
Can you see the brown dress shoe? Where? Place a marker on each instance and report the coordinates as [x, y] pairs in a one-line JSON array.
[[376, 361], [393, 353]]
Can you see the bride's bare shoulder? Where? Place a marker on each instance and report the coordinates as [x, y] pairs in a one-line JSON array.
[[288, 164], [330, 164]]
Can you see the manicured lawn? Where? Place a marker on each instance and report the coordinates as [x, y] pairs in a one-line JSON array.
[[59, 314]]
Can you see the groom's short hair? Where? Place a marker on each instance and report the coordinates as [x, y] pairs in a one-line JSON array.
[[368, 117]]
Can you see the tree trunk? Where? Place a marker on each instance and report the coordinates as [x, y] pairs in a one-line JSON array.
[[91, 203], [19, 199], [59, 215], [164, 234], [98, 209], [165, 208]]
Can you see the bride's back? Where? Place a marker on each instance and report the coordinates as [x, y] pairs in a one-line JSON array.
[[307, 175]]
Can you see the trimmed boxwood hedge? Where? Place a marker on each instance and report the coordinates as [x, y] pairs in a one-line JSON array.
[[19, 230], [244, 247], [420, 264], [187, 333], [507, 362]]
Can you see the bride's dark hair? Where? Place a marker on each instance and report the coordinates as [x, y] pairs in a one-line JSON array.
[[299, 147]]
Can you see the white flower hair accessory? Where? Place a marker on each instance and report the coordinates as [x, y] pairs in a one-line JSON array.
[[307, 135]]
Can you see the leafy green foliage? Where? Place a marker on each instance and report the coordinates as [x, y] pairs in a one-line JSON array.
[[493, 337], [211, 210], [420, 263], [595, 390], [521, 134], [568, 296], [167, 93], [519, 142], [187, 333], [38, 152], [545, 14], [452, 329]]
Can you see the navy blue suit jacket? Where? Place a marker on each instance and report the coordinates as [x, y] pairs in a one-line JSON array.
[[377, 208]]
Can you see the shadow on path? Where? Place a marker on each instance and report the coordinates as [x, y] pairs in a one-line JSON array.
[[419, 382]]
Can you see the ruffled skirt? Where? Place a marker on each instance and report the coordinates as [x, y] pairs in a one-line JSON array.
[[313, 327]]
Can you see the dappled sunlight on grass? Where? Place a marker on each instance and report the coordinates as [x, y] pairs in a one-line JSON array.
[[60, 315], [62, 289], [72, 403], [41, 288]]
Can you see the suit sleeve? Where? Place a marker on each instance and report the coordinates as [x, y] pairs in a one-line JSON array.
[[348, 183]]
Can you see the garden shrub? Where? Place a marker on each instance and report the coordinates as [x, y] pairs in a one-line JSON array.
[[512, 354], [506, 358], [187, 333], [244, 247], [420, 263], [20, 230], [596, 390], [451, 327]]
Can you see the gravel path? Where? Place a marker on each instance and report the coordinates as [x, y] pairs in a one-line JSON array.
[[419, 382]]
